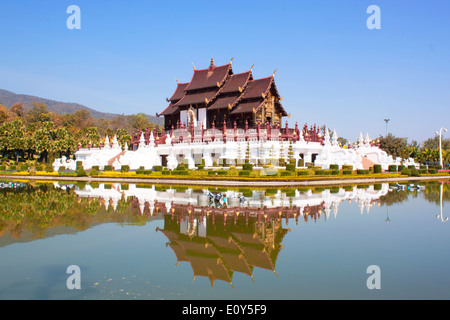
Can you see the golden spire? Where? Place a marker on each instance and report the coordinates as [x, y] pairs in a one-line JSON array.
[[212, 62]]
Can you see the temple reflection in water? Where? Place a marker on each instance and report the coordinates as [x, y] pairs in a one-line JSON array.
[[219, 233]]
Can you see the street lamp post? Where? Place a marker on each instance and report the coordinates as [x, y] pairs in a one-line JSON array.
[[386, 120], [440, 146]]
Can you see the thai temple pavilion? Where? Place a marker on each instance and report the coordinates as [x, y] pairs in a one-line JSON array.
[[222, 119], [216, 96]]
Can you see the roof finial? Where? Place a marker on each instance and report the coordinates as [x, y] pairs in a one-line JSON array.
[[177, 80], [193, 65], [231, 61], [252, 67], [273, 74], [212, 62]]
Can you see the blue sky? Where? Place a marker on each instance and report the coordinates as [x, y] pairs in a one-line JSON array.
[[331, 69]]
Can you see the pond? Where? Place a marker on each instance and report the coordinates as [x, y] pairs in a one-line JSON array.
[[131, 241]]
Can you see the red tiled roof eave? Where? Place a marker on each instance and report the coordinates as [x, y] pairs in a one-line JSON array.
[[237, 82], [257, 88], [197, 98], [248, 106], [224, 102], [179, 92], [209, 78], [169, 110]]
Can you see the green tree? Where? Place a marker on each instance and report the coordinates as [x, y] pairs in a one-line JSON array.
[[3, 114], [13, 134], [64, 142], [140, 122], [123, 137], [433, 143], [394, 146], [93, 136], [247, 153], [291, 159], [38, 113], [44, 140], [17, 110]]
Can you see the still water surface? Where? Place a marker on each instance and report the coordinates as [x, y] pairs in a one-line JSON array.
[[171, 242]]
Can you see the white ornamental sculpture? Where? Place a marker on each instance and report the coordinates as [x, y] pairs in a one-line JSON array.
[[327, 138], [367, 142], [190, 161], [115, 143], [107, 143], [168, 140], [207, 158], [172, 162], [335, 142], [361, 141], [142, 141], [301, 139], [152, 140]]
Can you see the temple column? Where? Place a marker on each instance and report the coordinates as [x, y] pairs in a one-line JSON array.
[[207, 158], [308, 157]]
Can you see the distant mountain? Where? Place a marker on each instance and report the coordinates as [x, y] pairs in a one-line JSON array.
[[8, 98]]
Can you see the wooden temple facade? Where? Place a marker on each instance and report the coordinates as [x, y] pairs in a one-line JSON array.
[[216, 97]]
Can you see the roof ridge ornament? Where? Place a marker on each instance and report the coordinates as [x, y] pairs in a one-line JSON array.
[[193, 65], [212, 62], [231, 61], [273, 74]]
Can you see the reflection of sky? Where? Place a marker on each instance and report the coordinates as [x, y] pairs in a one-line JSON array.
[[411, 251], [326, 258]]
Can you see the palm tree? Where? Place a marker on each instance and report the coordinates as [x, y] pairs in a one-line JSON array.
[[123, 137], [93, 136], [44, 139], [63, 142]]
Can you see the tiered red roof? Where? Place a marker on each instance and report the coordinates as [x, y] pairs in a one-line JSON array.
[[218, 88], [231, 91], [253, 96]]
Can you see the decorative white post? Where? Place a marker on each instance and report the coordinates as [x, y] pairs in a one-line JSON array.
[[440, 145], [142, 141], [107, 144], [335, 142]]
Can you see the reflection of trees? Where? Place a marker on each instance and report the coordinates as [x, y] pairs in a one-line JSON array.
[[431, 193], [36, 209], [394, 197]]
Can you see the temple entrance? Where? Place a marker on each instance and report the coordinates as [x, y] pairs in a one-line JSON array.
[[164, 160], [191, 116]]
